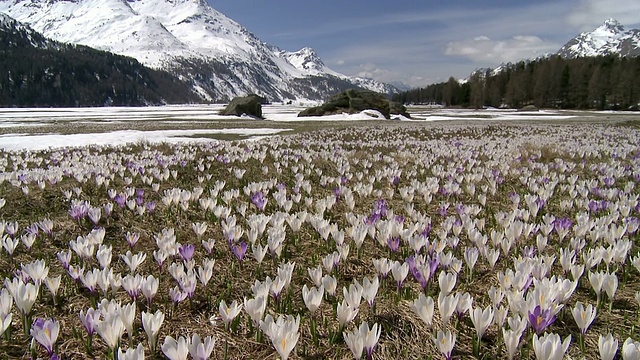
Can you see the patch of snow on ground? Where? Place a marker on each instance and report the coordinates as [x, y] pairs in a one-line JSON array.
[[42, 142]]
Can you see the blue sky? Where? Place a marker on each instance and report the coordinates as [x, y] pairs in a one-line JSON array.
[[418, 42]]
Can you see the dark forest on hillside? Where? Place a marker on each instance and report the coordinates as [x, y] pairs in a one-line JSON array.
[[606, 82], [35, 71]]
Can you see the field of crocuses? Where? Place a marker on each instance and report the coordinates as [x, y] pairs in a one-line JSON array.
[[390, 241]]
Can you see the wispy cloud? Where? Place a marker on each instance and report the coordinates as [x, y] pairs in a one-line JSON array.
[[587, 14], [484, 49]]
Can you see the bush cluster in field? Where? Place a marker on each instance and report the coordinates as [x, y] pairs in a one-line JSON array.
[[495, 241]]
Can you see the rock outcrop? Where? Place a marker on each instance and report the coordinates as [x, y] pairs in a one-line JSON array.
[[354, 101], [244, 105]]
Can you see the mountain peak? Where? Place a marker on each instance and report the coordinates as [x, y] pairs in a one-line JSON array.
[[306, 60], [610, 26], [609, 38]]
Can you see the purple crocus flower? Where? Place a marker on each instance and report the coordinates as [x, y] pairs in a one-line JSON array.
[[176, 295], [78, 212], [186, 251], [132, 238], [336, 192], [417, 272], [443, 210], [120, 200], [89, 320], [427, 230], [45, 332], [239, 250], [394, 243], [259, 200], [562, 224], [380, 207], [541, 319], [151, 206], [433, 266]]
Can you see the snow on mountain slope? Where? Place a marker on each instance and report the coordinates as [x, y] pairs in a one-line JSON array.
[[217, 55], [609, 38]]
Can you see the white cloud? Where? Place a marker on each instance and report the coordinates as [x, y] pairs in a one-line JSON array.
[[589, 14], [484, 49]]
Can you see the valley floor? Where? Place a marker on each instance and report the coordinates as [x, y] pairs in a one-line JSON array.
[[38, 128]]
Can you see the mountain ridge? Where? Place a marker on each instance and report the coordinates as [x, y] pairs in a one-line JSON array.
[[183, 36], [607, 39]]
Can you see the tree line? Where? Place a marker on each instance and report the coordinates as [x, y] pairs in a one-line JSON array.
[[35, 71], [604, 82]]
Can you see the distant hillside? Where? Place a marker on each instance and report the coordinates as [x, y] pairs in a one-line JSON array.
[[603, 82], [37, 71]]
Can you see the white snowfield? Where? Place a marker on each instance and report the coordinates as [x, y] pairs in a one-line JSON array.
[[17, 124]]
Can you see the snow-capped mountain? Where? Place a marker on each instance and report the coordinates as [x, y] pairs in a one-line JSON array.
[[217, 55], [609, 38]]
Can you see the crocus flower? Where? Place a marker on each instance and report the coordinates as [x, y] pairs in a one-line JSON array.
[[445, 343], [228, 313], [175, 350], [151, 324], [355, 342], [370, 289], [128, 317], [176, 295], [186, 251], [149, 288], [550, 346], [239, 250], [312, 298], [399, 272], [370, 337], [45, 332], [255, 308], [200, 349], [133, 261], [284, 334], [423, 307], [631, 349], [65, 258], [136, 353], [110, 330], [584, 316], [89, 319], [345, 313], [259, 200], [25, 296], [540, 319], [607, 346], [511, 341], [132, 238], [393, 243], [447, 305], [481, 319]]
